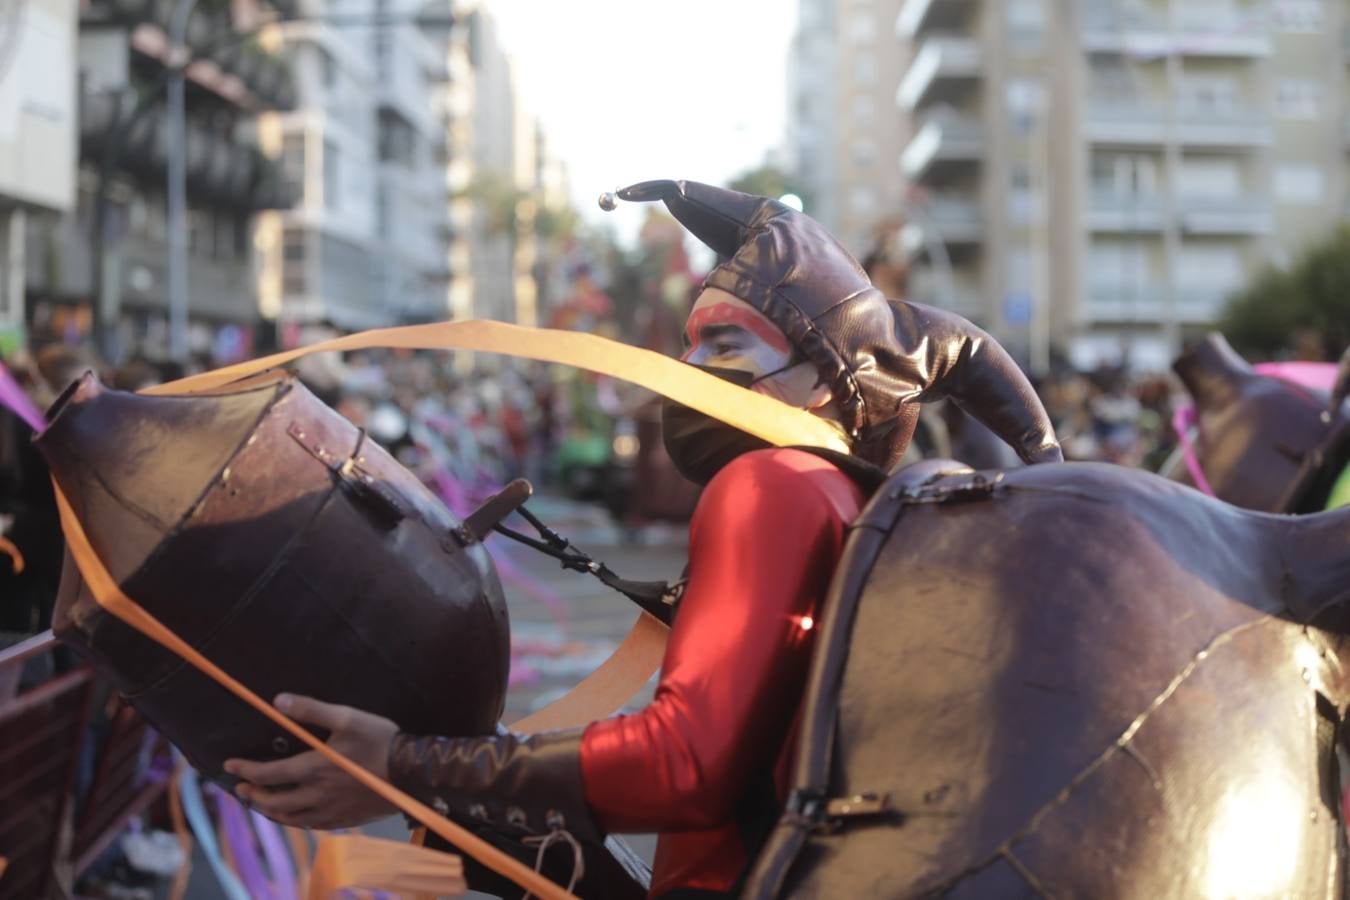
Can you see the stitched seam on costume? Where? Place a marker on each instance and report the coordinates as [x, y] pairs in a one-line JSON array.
[[1005, 849], [1027, 875]]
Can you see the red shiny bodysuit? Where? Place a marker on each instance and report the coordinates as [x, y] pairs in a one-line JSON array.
[[763, 544]]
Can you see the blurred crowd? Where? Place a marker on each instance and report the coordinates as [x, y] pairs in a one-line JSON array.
[[467, 431]]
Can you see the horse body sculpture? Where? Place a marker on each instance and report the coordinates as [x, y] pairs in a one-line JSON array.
[[268, 532], [1264, 443], [1071, 680]]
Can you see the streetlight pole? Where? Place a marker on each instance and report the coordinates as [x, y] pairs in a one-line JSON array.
[[176, 191]]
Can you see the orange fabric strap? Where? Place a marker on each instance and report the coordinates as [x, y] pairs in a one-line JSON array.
[[16, 558], [357, 861]]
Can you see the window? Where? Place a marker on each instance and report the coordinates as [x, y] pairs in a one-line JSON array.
[[329, 67], [1026, 97], [1206, 15], [1209, 269], [1122, 266], [864, 152], [1209, 94], [864, 68], [1124, 174], [864, 109], [293, 164], [1023, 205], [1019, 275], [1026, 22], [1210, 177], [863, 200], [863, 27], [1299, 184], [383, 221], [293, 250], [1298, 16], [1298, 98], [330, 175]]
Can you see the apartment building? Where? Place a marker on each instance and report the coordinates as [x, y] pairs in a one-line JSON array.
[[38, 128], [811, 97], [365, 152], [101, 271], [1093, 178]]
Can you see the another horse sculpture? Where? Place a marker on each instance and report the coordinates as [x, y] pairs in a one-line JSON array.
[[1264, 442]]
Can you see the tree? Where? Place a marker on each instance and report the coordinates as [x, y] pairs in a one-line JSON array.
[[768, 181], [1282, 306]]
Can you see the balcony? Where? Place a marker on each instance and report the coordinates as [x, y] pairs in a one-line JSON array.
[[953, 219], [1126, 303], [1222, 128], [1148, 303], [1115, 211], [1225, 215], [218, 288], [941, 68], [919, 16], [1141, 34], [1106, 123], [1148, 125], [1201, 305], [943, 139]]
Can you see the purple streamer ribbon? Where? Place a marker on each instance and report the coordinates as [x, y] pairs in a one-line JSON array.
[[243, 847], [12, 397]]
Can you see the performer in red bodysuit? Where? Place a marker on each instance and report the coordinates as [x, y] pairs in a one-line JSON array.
[[790, 314]]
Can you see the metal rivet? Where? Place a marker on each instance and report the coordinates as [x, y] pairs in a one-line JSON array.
[[478, 811], [441, 807], [515, 816], [280, 745]]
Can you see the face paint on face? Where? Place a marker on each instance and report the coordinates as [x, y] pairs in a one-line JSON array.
[[730, 334]]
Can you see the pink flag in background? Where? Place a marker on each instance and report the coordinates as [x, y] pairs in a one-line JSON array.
[[1316, 375]]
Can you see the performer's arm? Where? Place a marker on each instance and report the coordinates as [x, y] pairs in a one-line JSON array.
[[763, 545]]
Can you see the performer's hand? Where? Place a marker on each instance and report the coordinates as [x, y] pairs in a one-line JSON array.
[[307, 790]]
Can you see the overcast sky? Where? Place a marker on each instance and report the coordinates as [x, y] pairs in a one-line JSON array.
[[629, 90]]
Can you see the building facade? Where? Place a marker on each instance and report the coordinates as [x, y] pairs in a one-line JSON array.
[[364, 152], [38, 128], [1094, 178], [100, 272]]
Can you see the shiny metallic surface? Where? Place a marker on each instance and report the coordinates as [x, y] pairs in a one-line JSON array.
[[1086, 682], [318, 566], [608, 201]]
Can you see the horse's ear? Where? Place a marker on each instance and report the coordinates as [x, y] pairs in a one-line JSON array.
[[1212, 371]]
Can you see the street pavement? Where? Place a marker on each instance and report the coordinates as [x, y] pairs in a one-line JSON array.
[[563, 623]]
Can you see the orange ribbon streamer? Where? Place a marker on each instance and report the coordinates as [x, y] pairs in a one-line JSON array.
[[357, 861], [7, 547]]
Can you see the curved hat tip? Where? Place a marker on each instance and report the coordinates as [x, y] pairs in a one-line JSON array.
[[645, 191]]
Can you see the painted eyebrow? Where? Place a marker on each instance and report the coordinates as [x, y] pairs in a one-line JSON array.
[[750, 322], [712, 332]]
